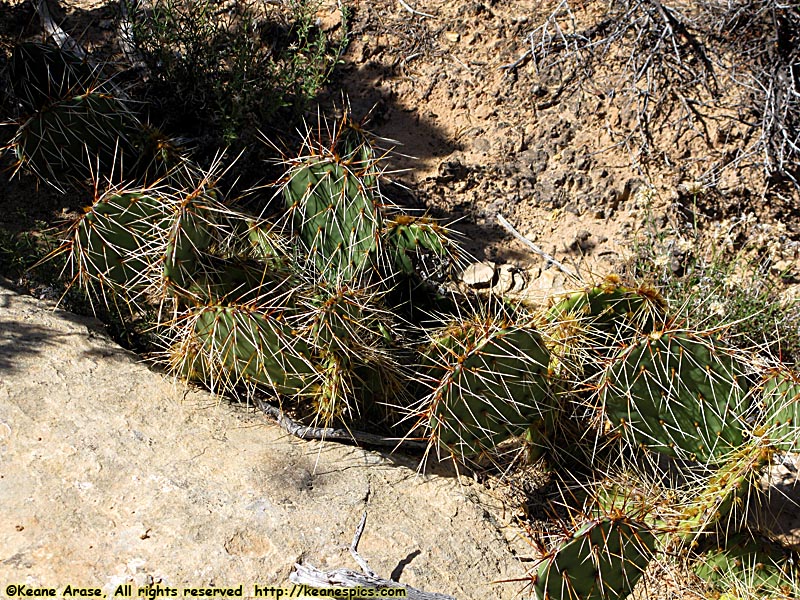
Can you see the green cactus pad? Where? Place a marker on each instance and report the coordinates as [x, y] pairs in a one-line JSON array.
[[110, 243], [679, 394], [155, 239], [353, 147], [265, 243], [41, 74], [602, 560], [343, 318], [350, 335], [720, 498], [336, 216], [587, 327], [491, 383], [190, 233], [411, 240], [745, 563], [614, 312], [781, 398], [78, 139], [242, 346]]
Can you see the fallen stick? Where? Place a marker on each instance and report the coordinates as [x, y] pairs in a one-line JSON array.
[[534, 248], [311, 576], [306, 432]]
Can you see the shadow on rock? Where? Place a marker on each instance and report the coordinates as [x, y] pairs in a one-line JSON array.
[[19, 339]]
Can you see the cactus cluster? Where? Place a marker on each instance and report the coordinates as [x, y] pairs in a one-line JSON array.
[[339, 309]]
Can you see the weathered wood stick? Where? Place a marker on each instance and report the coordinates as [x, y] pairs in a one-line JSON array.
[[305, 432], [308, 575]]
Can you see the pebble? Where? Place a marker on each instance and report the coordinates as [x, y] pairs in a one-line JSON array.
[[509, 280], [479, 275]]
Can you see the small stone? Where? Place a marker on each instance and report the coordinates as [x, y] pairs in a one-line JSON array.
[[479, 275], [505, 279], [550, 282], [783, 268], [452, 36]]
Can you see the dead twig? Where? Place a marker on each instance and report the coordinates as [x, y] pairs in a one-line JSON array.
[[354, 547], [534, 248], [414, 11], [306, 432], [346, 578]]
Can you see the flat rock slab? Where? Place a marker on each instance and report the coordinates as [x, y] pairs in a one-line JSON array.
[[111, 473]]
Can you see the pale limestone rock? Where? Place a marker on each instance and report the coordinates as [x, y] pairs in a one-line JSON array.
[[112, 473], [479, 275]]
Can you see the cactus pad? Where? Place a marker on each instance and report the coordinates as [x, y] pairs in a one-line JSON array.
[[418, 245], [336, 216], [679, 394], [491, 383], [763, 569], [42, 73], [78, 139], [719, 499], [149, 239], [111, 242], [781, 398], [588, 326], [242, 346], [602, 560]]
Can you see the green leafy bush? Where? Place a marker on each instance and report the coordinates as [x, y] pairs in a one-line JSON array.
[[233, 64]]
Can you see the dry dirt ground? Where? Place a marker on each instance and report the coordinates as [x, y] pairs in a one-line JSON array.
[[560, 154], [481, 128]]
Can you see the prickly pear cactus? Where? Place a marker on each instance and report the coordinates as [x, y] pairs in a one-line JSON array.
[[490, 382], [602, 560], [781, 399], [336, 217], [720, 499], [350, 336], [680, 394], [344, 319], [617, 312], [260, 240], [750, 567], [110, 244], [156, 241], [242, 346], [42, 73], [588, 326], [79, 139], [418, 245]]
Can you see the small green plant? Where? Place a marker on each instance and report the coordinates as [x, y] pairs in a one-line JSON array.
[[232, 66]]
